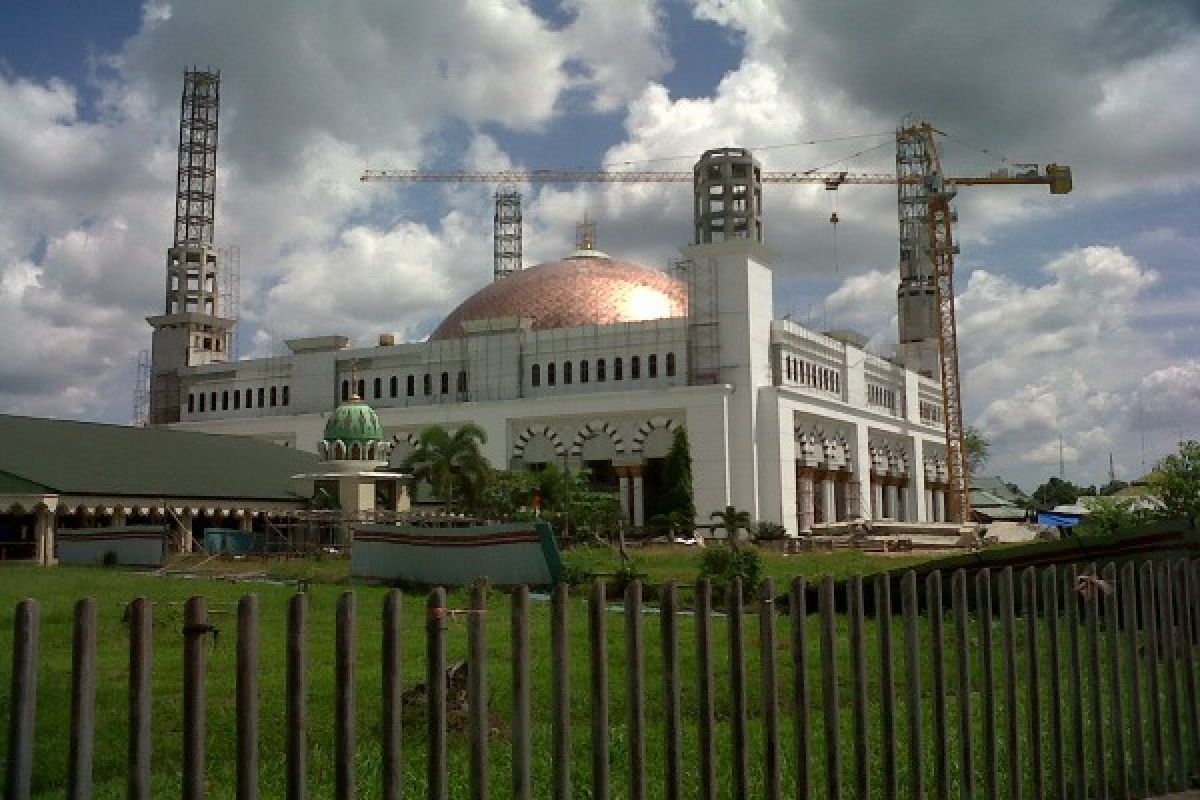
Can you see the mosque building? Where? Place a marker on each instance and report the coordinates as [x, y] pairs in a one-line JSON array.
[[595, 361]]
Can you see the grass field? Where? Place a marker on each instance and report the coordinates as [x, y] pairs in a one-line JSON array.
[[57, 589]]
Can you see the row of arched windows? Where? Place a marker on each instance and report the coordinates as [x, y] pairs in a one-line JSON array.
[[232, 399], [806, 373], [584, 374], [392, 386]]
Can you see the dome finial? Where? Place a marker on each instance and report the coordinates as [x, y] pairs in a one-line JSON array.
[[585, 234]]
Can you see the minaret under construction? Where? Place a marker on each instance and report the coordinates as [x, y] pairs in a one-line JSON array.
[[192, 330]]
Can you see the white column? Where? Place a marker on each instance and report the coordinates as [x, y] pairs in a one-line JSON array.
[[639, 500], [626, 506], [43, 533], [877, 509], [930, 512], [939, 505], [807, 511], [893, 500], [829, 500], [916, 482]]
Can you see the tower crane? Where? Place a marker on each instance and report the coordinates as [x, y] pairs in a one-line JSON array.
[[926, 229]]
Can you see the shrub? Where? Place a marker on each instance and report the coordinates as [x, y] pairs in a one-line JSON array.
[[769, 531], [722, 564]]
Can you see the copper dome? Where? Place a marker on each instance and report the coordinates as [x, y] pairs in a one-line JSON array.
[[590, 289]]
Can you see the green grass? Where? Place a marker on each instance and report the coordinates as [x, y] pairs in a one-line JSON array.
[[57, 589]]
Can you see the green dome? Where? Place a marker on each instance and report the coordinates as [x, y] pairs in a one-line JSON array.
[[353, 421]]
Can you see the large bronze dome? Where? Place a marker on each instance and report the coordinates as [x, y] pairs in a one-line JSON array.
[[586, 288]]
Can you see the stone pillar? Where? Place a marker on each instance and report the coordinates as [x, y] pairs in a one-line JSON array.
[[939, 505], [623, 491], [185, 539], [245, 521], [919, 511], [120, 517], [639, 499], [929, 510], [893, 501], [805, 497], [877, 509], [43, 535], [829, 500]]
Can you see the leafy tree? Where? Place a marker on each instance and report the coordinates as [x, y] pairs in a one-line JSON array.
[[978, 448], [1176, 482], [722, 565], [732, 521], [679, 504], [1055, 492], [1112, 487], [1108, 515], [452, 463]]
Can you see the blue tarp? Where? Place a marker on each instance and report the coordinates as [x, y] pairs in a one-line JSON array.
[[1058, 520]]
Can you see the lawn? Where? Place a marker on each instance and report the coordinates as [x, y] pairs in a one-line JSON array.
[[57, 589]]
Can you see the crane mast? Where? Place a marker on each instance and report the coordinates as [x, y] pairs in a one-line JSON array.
[[927, 250]]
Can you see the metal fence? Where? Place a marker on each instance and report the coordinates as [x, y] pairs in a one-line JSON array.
[[1058, 682]]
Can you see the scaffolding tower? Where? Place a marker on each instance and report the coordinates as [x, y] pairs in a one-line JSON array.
[[507, 233], [229, 285], [916, 293], [195, 197], [141, 391]]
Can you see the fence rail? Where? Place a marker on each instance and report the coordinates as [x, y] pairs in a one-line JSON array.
[[1064, 682]]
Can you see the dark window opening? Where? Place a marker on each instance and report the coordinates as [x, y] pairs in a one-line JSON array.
[[583, 371], [393, 386], [249, 398], [652, 365], [237, 400], [378, 388], [445, 383], [670, 365], [202, 402], [549, 374], [427, 384], [212, 401], [411, 386], [617, 370], [362, 389], [191, 404], [535, 375], [225, 400], [600, 370], [462, 381], [345, 392], [262, 396], [274, 397], [567, 372], [635, 368], [287, 394]]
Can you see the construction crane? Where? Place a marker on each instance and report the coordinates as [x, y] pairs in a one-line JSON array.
[[924, 198]]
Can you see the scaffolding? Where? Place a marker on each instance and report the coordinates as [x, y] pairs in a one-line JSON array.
[[703, 334], [507, 234], [141, 391], [195, 196], [229, 287]]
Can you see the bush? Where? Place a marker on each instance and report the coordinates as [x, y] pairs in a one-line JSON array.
[[722, 564], [769, 531], [109, 559]]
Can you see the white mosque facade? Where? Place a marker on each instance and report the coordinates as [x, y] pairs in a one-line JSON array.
[[592, 361]]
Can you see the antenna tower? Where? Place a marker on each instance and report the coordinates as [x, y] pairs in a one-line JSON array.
[[507, 233]]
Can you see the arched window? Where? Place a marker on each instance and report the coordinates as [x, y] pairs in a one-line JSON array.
[[652, 365], [617, 369], [566, 372], [427, 384], [274, 397], [191, 403], [225, 400], [362, 389], [550, 374], [445, 383], [262, 397], [378, 388], [202, 402], [394, 386], [535, 375], [212, 401], [411, 386], [635, 368], [249, 398], [583, 371], [600, 376], [287, 394], [237, 400], [345, 392], [670, 365], [462, 380]]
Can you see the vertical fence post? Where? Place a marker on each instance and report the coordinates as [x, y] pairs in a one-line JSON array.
[[345, 691], [963, 661], [561, 700], [829, 689], [673, 755], [1050, 608], [1129, 598], [987, 688], [141, 655], [858, 674], [83, 702], [941, 749], [802, 729], [598, 650], [522, 724], [1187, 622], [1079, 778], [635, 697], [912, 666], [392, 676], [887, 683], [1112, 634], [436, 767], [1012, 733], [23, 711], [297, 697], [1032, 681], [477, 686], [195, 631], [1158, 766], [772, 790], [737, 690], [1170, 646], [1092, 601], [247, 698]]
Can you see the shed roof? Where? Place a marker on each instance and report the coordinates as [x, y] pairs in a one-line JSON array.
[[89, 458]]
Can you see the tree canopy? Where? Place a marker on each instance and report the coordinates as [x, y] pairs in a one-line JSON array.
[[452, 464], [677, 477], [978, 449], [1176, 482]]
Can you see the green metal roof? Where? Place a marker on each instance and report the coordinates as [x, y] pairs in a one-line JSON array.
[[88, 458]]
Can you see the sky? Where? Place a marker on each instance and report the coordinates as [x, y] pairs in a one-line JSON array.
[[1079, 315]]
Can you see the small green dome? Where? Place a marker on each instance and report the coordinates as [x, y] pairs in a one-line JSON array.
[[353, 421]]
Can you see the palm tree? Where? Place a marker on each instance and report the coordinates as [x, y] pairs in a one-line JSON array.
[[452, 463], [732, 521]]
